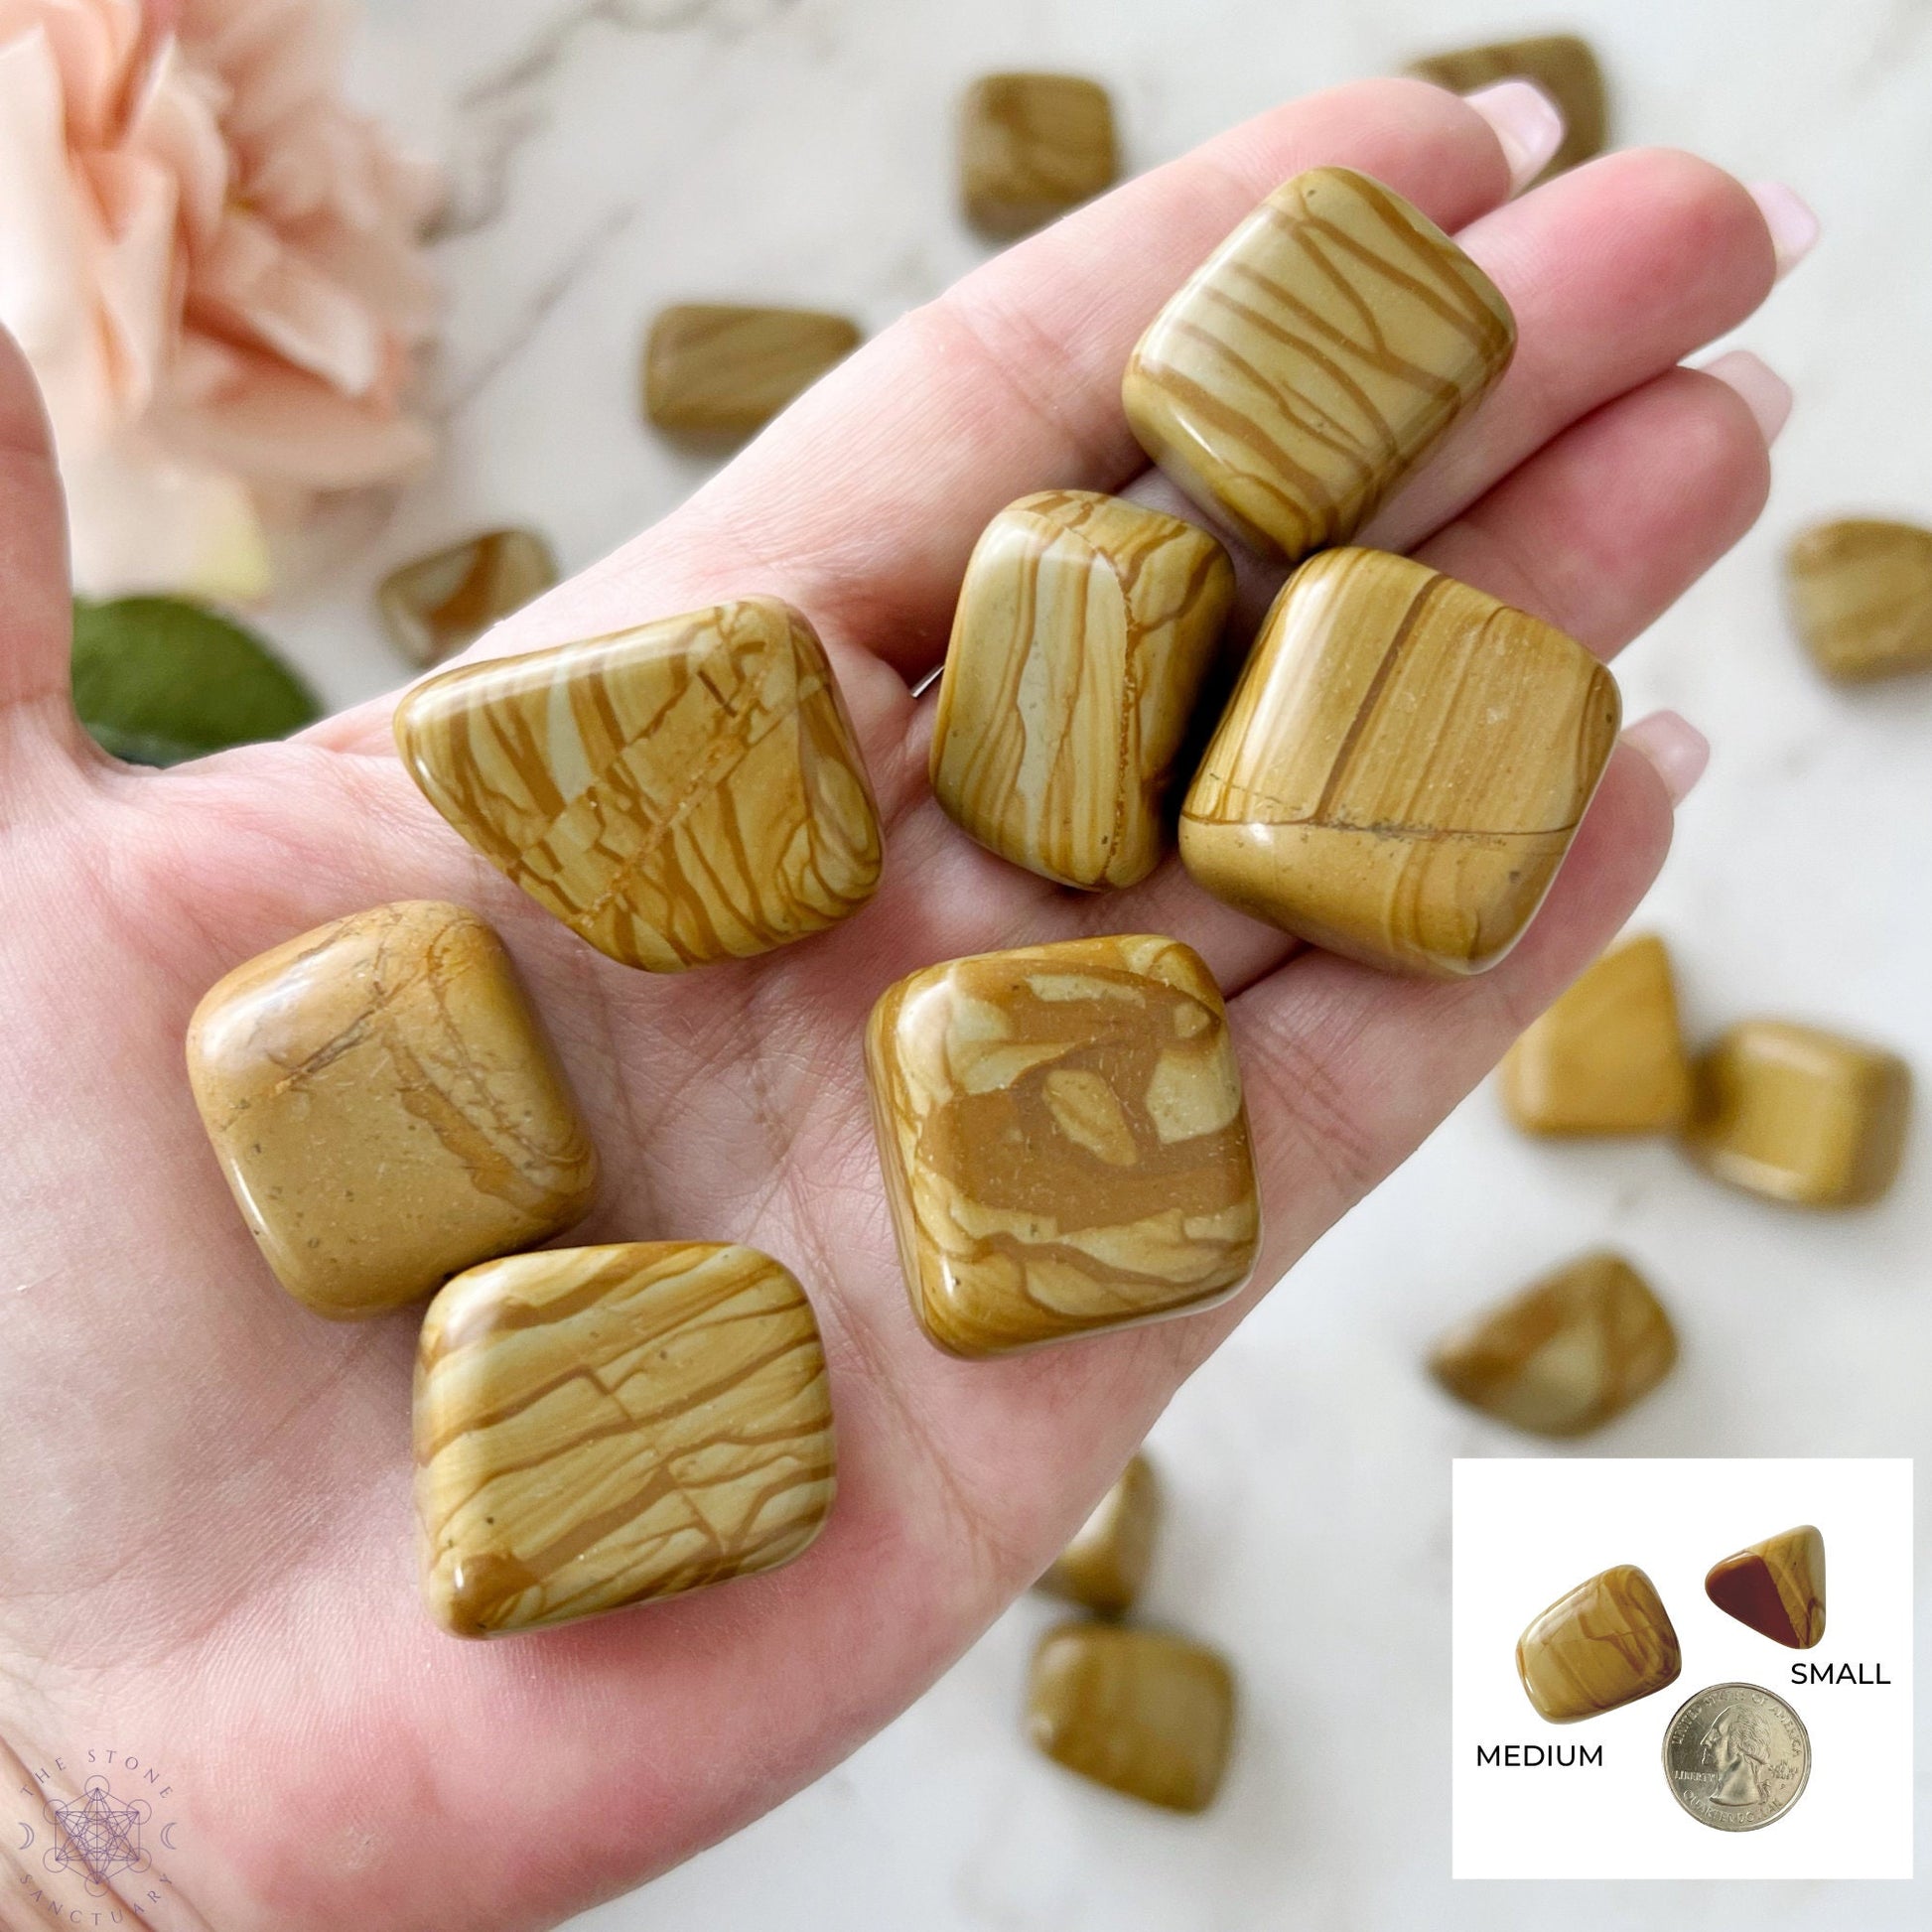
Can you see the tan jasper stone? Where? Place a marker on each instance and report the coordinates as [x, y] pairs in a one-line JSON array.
[[1106, 1562], [1402, 768], [1861, 593], [716, 371], [1606, 1643], [1139, 1711], [1561, 64], [1777, 1587], [1608, 1056], [1314, 360], [686, 792], [1797, 1114], [596, 1426], [443, 603], [1063, 1139], [1030, 147], [1084, 631], [1566, 1354], [385, 1107]]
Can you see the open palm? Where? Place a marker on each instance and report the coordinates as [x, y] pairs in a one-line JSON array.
[[205, 1557]]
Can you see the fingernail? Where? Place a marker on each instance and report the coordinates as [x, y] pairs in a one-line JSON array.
[[1794, 227], [1767, 394], [1678, 752], [1527, 122]]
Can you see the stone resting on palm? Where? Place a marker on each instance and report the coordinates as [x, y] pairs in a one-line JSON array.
[[205, 1558]]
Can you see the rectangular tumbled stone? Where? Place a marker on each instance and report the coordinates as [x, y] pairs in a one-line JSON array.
[[717, 370], [1030, 147], [1402, 768], [1314, 360], [1084, 631], [687, 791], [385, 1107], [1860, 594], [1605, 1643], [1063, 1139], [1564, 65], [1106, 1560], [598, 1426], [443, 603]]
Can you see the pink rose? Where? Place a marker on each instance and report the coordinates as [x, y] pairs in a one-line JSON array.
[[212, 265]]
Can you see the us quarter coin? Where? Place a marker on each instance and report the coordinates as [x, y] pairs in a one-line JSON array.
[[1736, 1757]]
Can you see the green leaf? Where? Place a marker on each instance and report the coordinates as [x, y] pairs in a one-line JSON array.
[[158, 679]]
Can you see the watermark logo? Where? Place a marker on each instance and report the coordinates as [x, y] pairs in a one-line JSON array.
[[95, 1837], [102, 1841]]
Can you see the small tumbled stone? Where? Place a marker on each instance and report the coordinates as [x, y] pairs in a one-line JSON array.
[[1105, 1563], [1564, 65], [1604, 1644], [443, 603], [1861, 593], [1777, 1587], [714, 370], [1030, 147]]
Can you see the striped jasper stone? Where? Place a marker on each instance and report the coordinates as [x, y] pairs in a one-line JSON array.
[[1777, 1587], [1084, 631], [1402, 768], [1605, 1643], [1861, 593], [683, 792], [1314, 360], [713, 369], [596, 1426]]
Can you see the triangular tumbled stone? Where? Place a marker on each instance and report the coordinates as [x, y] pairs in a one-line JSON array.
[[686, 792], [1777, 1587]]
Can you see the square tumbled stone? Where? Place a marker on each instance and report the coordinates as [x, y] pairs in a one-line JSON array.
[[1030, 147], [385, 1107], [1402, 768], [1860, 594], [687, 791], [714, 370], [598, 1426], [1064, 1139], [1566, 1354], [1797, 1114], [1314, 360], [1606, 1643], [1084, 629], [1608, 1056], [443, 603], [1564, 65], [1144, 1712], [1106, 1560]]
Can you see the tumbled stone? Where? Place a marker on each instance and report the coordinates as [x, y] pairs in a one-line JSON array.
[[1564, 65], [715, 370], [1030, 147], [683, 792], [1797, 1114], [1402, 767], [1566, 1354], [1084, 631], [1606, 1643], [598, 1426], [1608, 1056], [1063, 1139], [1106, 1562], [1314, 360], [1777, 1587], [1861, 593], [385, 1107], [443, 603], [1142, 1711]]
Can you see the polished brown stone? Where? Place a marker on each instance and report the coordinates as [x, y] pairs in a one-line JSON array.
[[1314, 360], [687, 791], [1030, 147], [1797, 1114], [1566, 1354], [1861, 593], [598, 1426], [1106, 1562], [1402, 768], [715, 370], [443, 603], [1142, 1711], [1606, 1643], [1608, 1056], [1564, 65], [1063, 1139], [385, 1107], [1777, 1587], [1084, 631]]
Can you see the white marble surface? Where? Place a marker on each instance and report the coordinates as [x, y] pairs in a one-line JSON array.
[[615, 154]]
